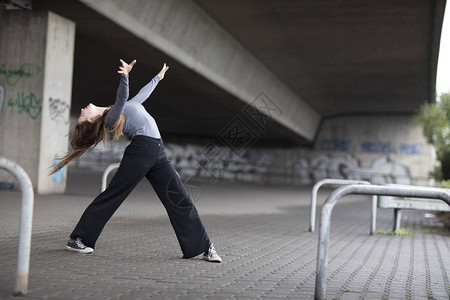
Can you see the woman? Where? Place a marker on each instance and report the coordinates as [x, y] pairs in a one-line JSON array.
[[143, 157]]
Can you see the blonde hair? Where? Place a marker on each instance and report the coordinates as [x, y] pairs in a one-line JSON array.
[[86, 135]]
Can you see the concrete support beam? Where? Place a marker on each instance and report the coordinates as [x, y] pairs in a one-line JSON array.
[[36, 66], [185, 32]]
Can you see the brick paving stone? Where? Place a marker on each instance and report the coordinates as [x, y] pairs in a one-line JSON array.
[[266, 254]]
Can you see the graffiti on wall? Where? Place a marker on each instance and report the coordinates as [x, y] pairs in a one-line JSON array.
[[389, 148], [12, 76], [26, 102], [382, 169], [376, 147], [335, 145], [194, 161], [23, 102], [259, 165], [58, 110], [58, 176]]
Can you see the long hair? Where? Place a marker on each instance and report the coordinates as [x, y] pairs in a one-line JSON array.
[[86, 135]]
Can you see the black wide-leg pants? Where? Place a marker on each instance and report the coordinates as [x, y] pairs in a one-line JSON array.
[[145, 156]]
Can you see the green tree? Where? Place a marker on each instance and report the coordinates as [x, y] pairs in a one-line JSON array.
[[435, 118]]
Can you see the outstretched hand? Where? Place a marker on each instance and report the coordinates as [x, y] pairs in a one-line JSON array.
[[163, 71], [125, 68]]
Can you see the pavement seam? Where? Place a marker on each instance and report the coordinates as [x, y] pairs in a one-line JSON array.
[[305, 264], [441, 265], [336, 242], [409, 280], [390, 278], [350, 278], [427, 266], [374, 273]]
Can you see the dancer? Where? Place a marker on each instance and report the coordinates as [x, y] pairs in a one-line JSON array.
[[144, 157]]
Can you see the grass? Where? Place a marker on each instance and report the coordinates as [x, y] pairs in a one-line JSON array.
[[400, 232]]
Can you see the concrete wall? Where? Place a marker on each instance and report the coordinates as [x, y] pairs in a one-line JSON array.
[[36, 60], [393, 147], [378, 149], [22, 55]]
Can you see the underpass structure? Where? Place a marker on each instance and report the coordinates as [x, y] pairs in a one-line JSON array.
[[342, 78]]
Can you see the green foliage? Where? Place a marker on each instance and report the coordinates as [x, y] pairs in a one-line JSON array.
[[435, 118], [436, 173], [445, 184], [401, 232]]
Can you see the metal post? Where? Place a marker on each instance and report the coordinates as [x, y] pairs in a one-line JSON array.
[[379, 190], [108, 170], [26, 222], [373, 215], [315, 189], [397, 219]]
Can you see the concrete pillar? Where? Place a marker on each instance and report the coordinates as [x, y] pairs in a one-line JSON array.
[[36, 62]]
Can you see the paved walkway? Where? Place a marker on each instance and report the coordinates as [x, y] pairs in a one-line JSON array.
[[259, 232]]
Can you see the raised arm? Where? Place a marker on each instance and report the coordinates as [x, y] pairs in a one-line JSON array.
[[122, 93], [146, 91], [125, 68]]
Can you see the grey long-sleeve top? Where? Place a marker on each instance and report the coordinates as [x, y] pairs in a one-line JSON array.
[[137, 120]]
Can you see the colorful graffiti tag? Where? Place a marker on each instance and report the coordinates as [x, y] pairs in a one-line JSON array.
[[376, 147], [12, 76], [23, 101], [26, 103]]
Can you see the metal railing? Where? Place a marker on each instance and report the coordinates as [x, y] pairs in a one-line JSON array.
[[108, 170], [359, 189], [330, 181], [26, 222], [418, 204]]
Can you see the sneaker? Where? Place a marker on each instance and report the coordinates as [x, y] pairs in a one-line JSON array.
[[211, 254], [78, 246]]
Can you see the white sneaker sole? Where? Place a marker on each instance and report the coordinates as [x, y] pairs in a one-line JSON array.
[[86, 250], [212, 259]]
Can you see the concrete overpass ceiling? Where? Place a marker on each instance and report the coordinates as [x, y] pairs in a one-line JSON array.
[[184, 104], [342, 56]]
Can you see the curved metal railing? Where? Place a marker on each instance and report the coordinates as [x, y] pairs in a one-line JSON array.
[[330, 181], [26, 222], [108, 170], [359, 189]]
